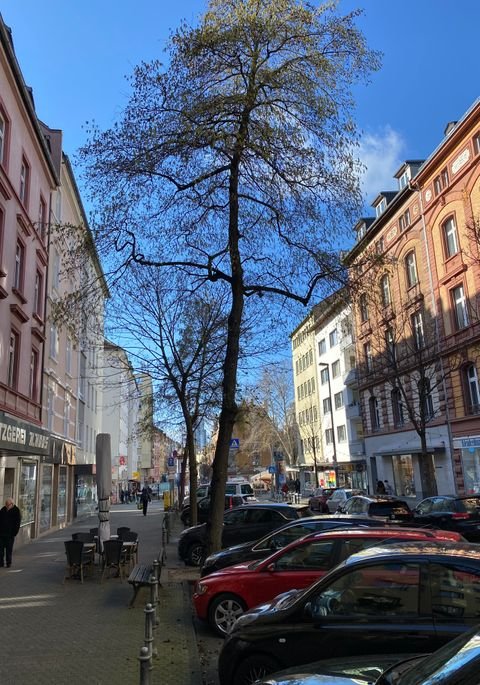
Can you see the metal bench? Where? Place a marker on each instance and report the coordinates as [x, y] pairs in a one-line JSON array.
[[141, 576]]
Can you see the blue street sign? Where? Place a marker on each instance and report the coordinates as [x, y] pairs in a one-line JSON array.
[[171, 461], [271, 469], [235, 443]]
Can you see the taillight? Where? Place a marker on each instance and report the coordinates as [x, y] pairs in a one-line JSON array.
[[460, 516]]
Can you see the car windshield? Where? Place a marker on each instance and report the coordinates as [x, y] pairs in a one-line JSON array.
[[456, 662]]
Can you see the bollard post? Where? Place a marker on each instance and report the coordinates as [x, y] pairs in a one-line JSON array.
[[157, 570], [145, 666], [149, 612], [154, 598]]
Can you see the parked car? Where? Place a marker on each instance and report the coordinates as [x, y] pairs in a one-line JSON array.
[[461, 514], [456, 663], [407, 597], [203, 508], [279, 538], [248, 522], [338, 498], [378, 505], [222, 597], [232, 487], [318, 500]]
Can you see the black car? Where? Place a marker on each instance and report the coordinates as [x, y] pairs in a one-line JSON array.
[[203, 508], [247, 522], [260, 549], [457, 663], [406, 597], [461, 514], [384, 506]]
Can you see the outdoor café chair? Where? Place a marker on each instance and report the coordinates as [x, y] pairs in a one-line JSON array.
[[122, 530], [77, 559], [131, 554], [113, 558]]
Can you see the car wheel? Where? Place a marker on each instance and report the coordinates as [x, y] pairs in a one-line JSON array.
[[224, 611], [254, 668], [195, 554]]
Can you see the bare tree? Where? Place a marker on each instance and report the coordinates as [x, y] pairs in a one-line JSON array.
[[236, 164]]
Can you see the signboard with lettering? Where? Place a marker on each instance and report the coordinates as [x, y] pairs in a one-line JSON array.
[[22, 437]]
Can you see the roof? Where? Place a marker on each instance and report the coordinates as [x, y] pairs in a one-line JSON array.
[[418, 549]]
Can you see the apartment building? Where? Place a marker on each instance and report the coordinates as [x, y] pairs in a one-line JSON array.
[[341, 429], [28, 180], [416, 321]]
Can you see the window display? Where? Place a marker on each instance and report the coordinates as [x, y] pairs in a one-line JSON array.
[[26, 495]]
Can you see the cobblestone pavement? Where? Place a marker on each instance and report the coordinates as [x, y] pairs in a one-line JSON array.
[[65, 633]]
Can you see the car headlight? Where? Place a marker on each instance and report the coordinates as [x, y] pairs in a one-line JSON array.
[[201, 588]]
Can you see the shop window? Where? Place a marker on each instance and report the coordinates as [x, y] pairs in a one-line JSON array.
[[403, 475], [46, 498], [26, 491]]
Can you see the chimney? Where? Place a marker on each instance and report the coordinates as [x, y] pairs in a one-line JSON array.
[[449, 127]]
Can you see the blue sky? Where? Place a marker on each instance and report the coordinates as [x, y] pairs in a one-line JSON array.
[[76, 55]]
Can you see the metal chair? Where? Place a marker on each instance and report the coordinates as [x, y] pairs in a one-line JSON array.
[[131, 555], [122, 530], [77, 559], [83, 537], [113, 558]]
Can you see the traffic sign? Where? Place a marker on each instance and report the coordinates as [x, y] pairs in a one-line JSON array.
[[272, 469], [171, 461], [235, 443]]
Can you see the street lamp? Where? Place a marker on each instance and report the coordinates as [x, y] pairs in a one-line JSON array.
[[334, 443]]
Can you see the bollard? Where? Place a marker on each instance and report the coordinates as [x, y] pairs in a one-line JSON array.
[[145, 666], [149, 614], [154, 598]]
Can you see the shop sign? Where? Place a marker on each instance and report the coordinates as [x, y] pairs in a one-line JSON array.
[[467, 443], [22, 437]]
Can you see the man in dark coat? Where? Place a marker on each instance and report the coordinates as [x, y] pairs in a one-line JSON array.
[[145, 499], [10, 518]]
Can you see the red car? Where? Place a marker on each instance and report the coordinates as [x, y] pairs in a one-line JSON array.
[[221, 597]]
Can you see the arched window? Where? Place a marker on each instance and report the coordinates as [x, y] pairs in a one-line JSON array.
[[363, 307], [450, 237], [472, 395], [397, 407], [411, 269]]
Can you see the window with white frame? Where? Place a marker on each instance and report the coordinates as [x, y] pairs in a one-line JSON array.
[[385, 290], [473, 396], [460, 307], [34, 375], [56, 270], [324, 376], [390, 346], [404, 220], [336, 369], [440, 182], [397, 407], [341, 433], [68, 355], [13, 359], [54, 342], [374, 413], [338, 399], [42, 218], [329, 436], [450, 237], [19, 272], [381, 207], [333, 337], [322, 346], [425, 398], [367, 355], [38, 295], [3, 137], [24, 182], [363, 304], [476, 144], [327, 405], [417, 329], [411, 269]]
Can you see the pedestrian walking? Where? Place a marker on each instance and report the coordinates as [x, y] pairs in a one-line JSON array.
[[145, 499], [10, 519], [388, 487]]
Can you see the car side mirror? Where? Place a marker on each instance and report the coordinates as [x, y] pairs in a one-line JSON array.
[[270, 568]]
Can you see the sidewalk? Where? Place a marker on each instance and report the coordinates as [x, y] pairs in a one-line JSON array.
[[72, 634]]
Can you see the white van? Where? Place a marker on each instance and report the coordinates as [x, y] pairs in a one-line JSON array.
[[233, 487]]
